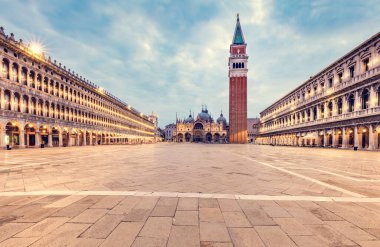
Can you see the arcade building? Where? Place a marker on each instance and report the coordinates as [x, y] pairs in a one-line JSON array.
[[337, 107], [43, 102]]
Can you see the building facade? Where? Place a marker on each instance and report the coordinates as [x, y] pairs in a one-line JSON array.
[[42, 102], [253, 129], [237, 63], [338, 107], [203, 128], [169, 132]]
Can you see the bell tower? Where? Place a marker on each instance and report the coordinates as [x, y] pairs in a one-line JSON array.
[[237, 74]]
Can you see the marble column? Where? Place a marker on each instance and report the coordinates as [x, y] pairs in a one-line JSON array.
[[334, 138], [37, 139], [2, 137], [50, 140], [2, 99], [356, 137], [84, 138], [60, 139], [90, 140], [69, 141], [77, 139], [371, 135], [344, 138], [22, 139]]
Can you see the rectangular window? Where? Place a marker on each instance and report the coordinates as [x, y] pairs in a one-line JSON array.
[[352, 71], [366, 64], [330, 82], [340, 76]]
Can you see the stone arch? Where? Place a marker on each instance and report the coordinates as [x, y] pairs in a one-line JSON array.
[[30, 134], [45, 131], [209, 137], [56, 139], [14, 72], [363, 135], [5, 68], [17, 102], [351, 103], [365, 98], [12, 134], [24, 73], [188, 137], [180, 137], [216, 137]]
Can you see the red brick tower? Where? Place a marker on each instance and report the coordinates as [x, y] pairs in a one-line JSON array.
[[238, 70]]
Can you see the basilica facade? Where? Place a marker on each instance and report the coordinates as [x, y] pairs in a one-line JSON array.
[[338, 107], [42, 103], [203, 128]]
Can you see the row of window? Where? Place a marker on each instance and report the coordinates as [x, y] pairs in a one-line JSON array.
[[238, 65], [321, 86], [49, 86], [301, 116], [38, 107]]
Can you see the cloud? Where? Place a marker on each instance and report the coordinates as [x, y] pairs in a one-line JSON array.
[[171, 56]]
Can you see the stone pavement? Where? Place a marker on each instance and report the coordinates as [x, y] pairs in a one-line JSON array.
[[189, 195]]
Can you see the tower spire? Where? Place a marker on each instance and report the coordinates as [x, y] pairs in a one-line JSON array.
[[238, 35]]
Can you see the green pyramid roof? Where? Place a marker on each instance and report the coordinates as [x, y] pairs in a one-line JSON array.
[[238, 36]]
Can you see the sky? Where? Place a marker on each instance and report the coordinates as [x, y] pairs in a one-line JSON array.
[[171, 56]]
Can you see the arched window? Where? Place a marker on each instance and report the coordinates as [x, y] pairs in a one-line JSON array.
[[351, 103], [233, 65], [5, 68], [365, 99], [15, 72], [17, 102], [8, 100], [242, 65], [31, 79], [340, 106], [51, 87], [25, 102], [24, 72], [39, 82], [330, 106], [46, 85]]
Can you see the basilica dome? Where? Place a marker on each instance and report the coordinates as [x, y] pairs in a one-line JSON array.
[[190, 119], [222, 119]]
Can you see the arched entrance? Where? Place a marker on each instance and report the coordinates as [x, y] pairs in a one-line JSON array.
[[351, 137], [198, 136], [74, 137], [329, 140], [209, 137], [217, 137], [339, 137], [12, 134], [363, 137], [180, 137], [55, 136], [103, 139], [187, 137], [44, 135], [65, 137], [30, 137]]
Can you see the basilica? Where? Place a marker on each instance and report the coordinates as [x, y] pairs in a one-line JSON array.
[[203, 128]]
